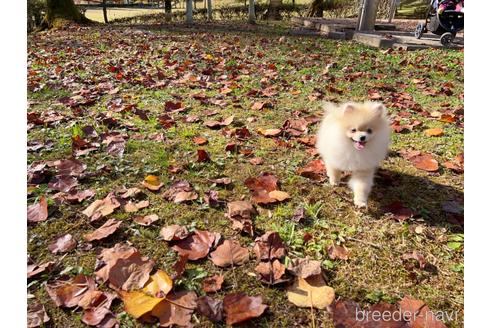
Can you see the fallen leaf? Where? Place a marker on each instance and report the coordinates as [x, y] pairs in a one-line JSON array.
[[304, 268], [63, 183], [211, 308], [278, 195], [425, 162], [131, 272], [399, 211], [131, 207], [437, 132], [39, 211], [266, 181], [138, 303], [159, 285], [239, 307], [269, 246], [415, 255], [174, 232], [105, 230], [271, 273], [311, 292], [229, 253], [314, 170], [74, 196], [152, 182], [69, 293], [269, 132], [420, 314], [63, 244], [180, 266], [101, 208], [34, 269], [178, 310], [212, 284], [36, 315], [180, 191], [202, 155], [146, 220], [200, 141], [336, 252], [195, 246]]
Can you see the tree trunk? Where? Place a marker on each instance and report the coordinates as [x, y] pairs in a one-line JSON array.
[[189, 11], [59, 12], [315, 9], [251, 12], [168, 7], [273, 10], [209, 10]]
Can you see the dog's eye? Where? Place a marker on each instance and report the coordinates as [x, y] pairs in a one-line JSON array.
[[353, 130], [369, 130]]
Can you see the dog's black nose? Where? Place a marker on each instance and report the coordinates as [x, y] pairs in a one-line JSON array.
[[362, 138]]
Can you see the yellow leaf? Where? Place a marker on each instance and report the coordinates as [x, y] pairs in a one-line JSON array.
[[138, 303], [160, 284], [279, 195], [311, 292], [153, 180], [434, 132]]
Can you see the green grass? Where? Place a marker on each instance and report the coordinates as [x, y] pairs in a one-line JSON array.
[[371, 274]]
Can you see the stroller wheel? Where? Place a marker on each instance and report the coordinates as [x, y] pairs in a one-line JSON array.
[[419, 30], [447, 39]]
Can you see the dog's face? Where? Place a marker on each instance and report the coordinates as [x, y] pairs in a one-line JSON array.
[[362, 122]]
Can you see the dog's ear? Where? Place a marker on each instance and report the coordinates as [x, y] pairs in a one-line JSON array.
[[348, 108], [380, 109]]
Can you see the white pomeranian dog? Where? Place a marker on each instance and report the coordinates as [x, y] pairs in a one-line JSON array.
[[354, 137]]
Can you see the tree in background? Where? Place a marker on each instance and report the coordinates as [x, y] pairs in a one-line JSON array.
[[59, 12], [315, 9], [273, 10]]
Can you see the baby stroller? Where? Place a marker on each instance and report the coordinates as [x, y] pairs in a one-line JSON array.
[[445, 23]]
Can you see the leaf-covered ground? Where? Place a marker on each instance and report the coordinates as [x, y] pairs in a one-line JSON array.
[[195, 105]]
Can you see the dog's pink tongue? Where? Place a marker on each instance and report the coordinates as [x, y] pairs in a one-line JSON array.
[[359, 145]]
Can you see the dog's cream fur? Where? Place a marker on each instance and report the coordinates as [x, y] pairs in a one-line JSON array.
[[339, 144]]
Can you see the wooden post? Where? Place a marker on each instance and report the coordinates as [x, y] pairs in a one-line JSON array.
[[251, 12], [392, 12], [105, 13], [189, 11], [209, 10]]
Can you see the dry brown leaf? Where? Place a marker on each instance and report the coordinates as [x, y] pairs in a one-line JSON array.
[[105, 230], [269, 246], [421, 316], [425, 162], [180, 191], [39, 211], [131, 207], [229, 253], [63, 244], [101, 208], [314, 170], [269, 132], [35, 269], [36, 315], [271, 273], [212, 284], [174, 232], [195, 246], [278, 195], [304, 268], [131, 272], [69, 293], [311, 292], [239, 307], [211, 308], [178, 310], [146, 220], [336, 252]]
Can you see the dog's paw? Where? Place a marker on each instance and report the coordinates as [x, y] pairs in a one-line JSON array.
[[360, 203]]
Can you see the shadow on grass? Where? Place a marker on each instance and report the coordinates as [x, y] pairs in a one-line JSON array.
[[435, 203]]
